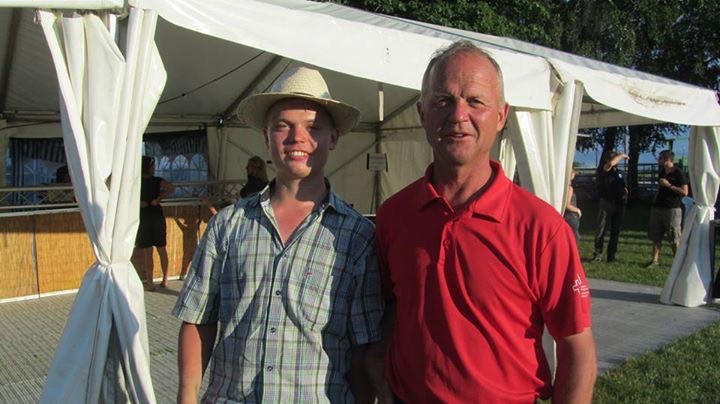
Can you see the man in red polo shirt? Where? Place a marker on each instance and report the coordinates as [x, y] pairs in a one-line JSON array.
[[474, 266]]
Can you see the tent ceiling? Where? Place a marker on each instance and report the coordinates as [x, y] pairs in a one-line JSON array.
[[192, 91]]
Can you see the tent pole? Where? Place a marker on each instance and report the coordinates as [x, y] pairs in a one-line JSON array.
[[222, 153], [378, 138], [376, 187], [627, 163]]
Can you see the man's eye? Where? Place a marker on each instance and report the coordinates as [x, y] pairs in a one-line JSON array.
[[441, 102]]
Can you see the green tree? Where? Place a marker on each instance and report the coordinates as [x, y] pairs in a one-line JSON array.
[[528, 20]]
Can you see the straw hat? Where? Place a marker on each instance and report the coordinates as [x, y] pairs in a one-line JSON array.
[[297, 82]]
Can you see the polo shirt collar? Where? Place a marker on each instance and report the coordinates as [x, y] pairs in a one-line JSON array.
[[491, 204]]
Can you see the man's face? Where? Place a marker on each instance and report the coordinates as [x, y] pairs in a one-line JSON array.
[[462, 111], [299, 135]]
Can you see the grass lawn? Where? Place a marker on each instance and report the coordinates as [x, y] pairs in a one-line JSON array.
[[686, 371]]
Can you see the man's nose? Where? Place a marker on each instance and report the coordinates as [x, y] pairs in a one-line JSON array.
[[298, 134], [459, 111]]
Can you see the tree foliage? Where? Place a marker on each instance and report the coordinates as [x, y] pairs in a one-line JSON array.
[[528, 20]]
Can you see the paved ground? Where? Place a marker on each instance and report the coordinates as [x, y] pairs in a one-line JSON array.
[[628, 321]]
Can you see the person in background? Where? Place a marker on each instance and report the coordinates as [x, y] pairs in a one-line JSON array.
[[152, 230], [257, 178], [62, 178], [666, 211], [613, 198], [288, 275], [572, 213], [473, 266]]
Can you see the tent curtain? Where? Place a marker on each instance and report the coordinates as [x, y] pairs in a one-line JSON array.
[[689, 281], [106, 102], [544, 143], [503, 152]]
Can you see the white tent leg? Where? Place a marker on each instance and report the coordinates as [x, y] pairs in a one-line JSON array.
[[689, 281]]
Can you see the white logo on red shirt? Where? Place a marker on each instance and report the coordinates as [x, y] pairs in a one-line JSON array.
[[581, 288]]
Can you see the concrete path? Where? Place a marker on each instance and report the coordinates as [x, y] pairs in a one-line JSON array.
[[627, 321]]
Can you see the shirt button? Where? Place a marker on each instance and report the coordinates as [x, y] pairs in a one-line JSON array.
[[446, 243], [273, 329], [277, 293], [269, 368]]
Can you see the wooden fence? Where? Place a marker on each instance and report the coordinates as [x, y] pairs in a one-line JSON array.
[[47, 252]]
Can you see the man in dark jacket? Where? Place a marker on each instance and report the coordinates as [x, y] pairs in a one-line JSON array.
[[613, 197]]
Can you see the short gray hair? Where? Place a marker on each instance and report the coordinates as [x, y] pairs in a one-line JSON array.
[[455, 48]]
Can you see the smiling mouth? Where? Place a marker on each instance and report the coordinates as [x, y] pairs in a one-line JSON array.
[[297, 153], [453, 136]]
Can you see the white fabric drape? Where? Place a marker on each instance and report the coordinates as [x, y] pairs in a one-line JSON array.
[[689, 281], [106, 102], [503, 152], [544, 144]]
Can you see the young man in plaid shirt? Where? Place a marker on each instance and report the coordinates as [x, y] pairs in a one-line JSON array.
[[290, 274]]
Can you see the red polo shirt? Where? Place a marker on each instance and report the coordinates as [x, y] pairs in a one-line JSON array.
[[474, 289]]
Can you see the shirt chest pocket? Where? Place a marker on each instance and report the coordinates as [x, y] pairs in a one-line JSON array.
[[323, 294]]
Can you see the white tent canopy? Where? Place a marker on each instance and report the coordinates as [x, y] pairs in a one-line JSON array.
[[216, 52]]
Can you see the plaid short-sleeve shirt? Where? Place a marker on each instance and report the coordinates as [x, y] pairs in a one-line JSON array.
[[288, 314]]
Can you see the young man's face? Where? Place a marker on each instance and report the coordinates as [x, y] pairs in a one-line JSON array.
[[663, 160], [299, 136], [462, 111]]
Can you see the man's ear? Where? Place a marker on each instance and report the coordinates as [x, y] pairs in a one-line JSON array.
[[334, 137], [503, 112], [418, 107]]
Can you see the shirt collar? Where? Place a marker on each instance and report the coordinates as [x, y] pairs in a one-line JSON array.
[[491, 204], [332, 200]]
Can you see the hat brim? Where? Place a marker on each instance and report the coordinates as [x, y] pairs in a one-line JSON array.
[[253, 110]]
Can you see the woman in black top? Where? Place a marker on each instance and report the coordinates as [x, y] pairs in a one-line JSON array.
[[152, 230]]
